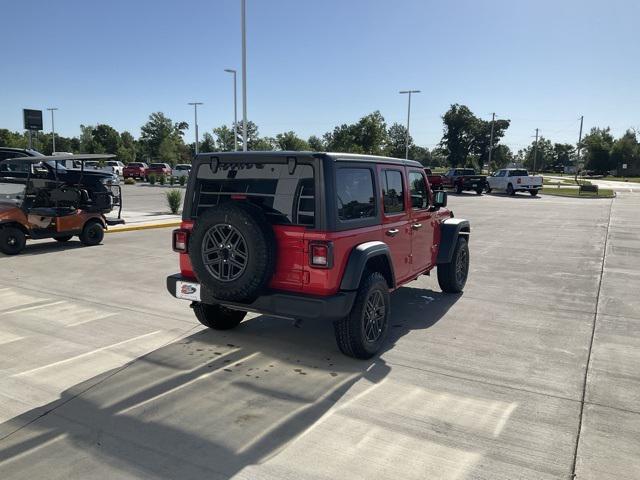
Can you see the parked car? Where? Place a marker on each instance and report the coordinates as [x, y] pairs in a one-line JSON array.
[[435, 181], [463, 179], [135, 170], [158, 169], [181, 170], [310, 236], [116, 167], [513, 180]]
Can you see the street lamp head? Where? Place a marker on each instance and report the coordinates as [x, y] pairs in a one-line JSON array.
[[409, 91], [52, 109], [229, 70]]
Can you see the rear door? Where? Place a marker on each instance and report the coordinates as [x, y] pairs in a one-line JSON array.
[[396, 217], [422, 223]]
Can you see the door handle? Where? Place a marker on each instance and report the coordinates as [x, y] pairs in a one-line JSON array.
[[393, 232], [416, 226]]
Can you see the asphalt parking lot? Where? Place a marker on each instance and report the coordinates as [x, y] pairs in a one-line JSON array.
[[533, 372]]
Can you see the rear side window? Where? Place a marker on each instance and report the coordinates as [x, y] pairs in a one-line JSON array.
[[392, 191], [354, 190], [418, 190], [285, 198], [518, 173]]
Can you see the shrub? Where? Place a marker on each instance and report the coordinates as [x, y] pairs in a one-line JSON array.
[[174, 200], [183, 180], [162, 179], [129, 181], [152, 179], [172, 180]]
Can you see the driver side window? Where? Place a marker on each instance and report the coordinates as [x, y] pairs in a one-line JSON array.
[[418, 191]]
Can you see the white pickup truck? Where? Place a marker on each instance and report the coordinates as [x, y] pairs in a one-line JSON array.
[[513, 180]]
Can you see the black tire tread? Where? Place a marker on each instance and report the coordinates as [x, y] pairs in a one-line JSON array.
[[217, 317], [84, 238], [5, 232], [447, 271], [347, 337]]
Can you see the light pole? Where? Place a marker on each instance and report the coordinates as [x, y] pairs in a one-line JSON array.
[[53, 129], [195, 113], [406, 150], [244, 73], [235, 109]]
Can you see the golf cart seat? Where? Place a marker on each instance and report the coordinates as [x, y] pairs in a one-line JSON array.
[[52, 211]]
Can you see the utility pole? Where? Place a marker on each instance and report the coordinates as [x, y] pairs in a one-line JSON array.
[[195, 112], [53, 129], [535, 153], [235, 110], [580, 137], [406, 149], [243, 14], [493, 119]]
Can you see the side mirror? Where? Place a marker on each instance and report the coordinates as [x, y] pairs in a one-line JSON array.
[[440, 199]]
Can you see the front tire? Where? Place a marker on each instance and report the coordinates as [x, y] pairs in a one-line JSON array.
[[459, 189], [12, 240], [362, 333], [479, 191], [452, 276], [488, 189], [92, 234], [533, 192], [217, 317]]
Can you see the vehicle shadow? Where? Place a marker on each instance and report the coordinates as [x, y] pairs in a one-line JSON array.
[[209, 405], [517, 195], [50, 246]]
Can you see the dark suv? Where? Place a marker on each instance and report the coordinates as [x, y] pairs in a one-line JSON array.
[[312, 235]]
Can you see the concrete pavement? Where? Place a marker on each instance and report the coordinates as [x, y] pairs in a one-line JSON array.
[[118, 380]]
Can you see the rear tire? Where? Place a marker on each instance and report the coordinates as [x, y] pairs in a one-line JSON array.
[[12, 240], [452, 276], [217, 317], [533, 192], [479, 191], [362, 333], [64, 239], [92, 233], [459, 189], [488, 189], [510, 190]]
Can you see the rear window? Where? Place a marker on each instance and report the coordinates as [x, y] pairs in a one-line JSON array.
[[135, 165], [467, 171], [183, 167], [285, 198], [157, 165], [354, 187], [518, 173]]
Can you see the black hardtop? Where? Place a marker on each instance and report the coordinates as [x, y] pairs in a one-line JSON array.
[[283, 157]]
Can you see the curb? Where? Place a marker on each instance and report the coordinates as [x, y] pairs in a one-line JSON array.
[[145, 226]]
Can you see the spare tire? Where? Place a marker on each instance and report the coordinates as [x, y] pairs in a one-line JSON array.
[[233, 251]]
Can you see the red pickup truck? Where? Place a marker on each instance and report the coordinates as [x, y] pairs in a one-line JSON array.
[[434, 180], [159, 169], [135, 170]]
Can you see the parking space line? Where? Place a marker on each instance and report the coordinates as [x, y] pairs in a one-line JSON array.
[[190, 382], [82, 355], [82, 322], [33, 307]]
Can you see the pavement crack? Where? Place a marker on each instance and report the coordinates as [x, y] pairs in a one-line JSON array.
[[593, 333]]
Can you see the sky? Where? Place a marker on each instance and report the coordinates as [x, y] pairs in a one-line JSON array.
[[315, 64]]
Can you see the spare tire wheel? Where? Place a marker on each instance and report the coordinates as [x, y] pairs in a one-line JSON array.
[[233, 250]]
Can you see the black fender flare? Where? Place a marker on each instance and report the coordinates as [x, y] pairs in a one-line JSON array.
[[357, 263], [13, 223], [450, 230]]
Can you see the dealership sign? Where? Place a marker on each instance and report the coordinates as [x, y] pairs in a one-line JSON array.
[[32, 119]]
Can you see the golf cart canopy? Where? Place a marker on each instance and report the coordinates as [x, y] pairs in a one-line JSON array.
[[82, 157]]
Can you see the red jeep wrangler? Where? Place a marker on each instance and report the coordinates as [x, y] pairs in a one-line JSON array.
[[312, 235]]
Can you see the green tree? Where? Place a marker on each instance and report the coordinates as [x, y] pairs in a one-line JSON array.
[[501, 157], [396, 141], [168, 152], [597, 150], [290, 141], [544, 157], [371, 133], [343, 138], [106, 139], [224, 139], [208, 143], [482, 138], [127, 151], [626, 151], [458, 138], [563, 155], [158, 129], [87, 142], [316, 144], [263, 144]]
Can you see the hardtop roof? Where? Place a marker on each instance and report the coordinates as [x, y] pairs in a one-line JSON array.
[[283, 155]]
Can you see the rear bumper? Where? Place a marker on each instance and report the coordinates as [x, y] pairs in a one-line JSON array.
[[527, 187], [277, 304]]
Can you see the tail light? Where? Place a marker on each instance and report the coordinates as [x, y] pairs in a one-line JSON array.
[[519, 180], [321, 254], [180, 240]]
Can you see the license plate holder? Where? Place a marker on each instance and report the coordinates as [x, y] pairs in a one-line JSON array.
[[188, 290]]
